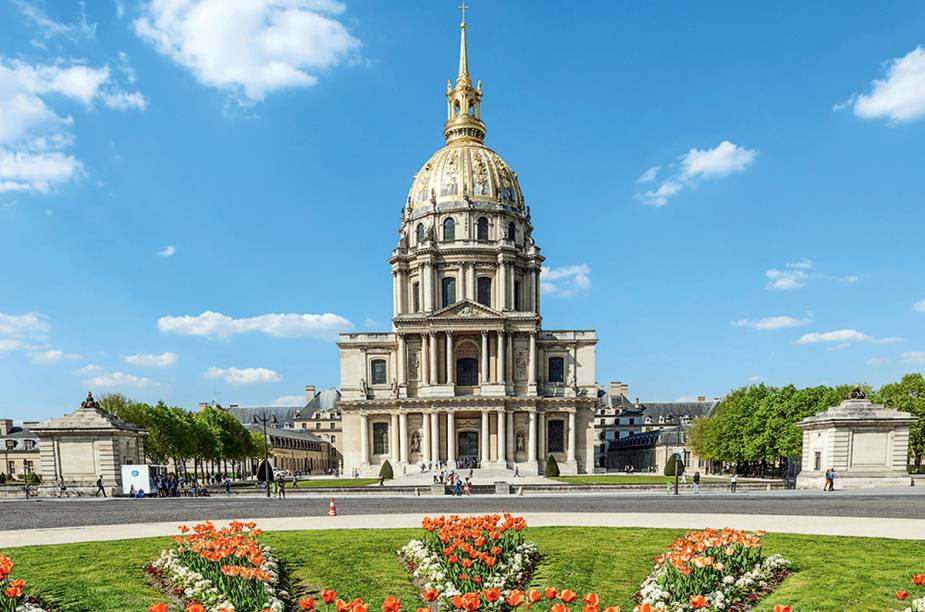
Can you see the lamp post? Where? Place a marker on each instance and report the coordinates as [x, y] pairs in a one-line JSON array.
[[265, 418], [676, 414]]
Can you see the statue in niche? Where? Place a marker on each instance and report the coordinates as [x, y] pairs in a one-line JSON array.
[[394, 387], [416, 442], [364, 387], [413, 366], [521, 442], [520, 362]]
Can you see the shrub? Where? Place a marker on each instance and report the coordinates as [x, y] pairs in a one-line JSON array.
[[552, 467], [669, 465], [386, 471]]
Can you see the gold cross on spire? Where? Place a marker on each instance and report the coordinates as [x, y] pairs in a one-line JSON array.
[[463, 8]]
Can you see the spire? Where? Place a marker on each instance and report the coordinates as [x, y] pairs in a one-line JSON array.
[[463, 100], [463, 58]]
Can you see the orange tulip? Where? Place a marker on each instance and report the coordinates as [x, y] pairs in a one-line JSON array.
[[591, 599], [646, 607], [781, 608], [568, 596], [557, 607], [327, 596], [457, 602], [590, 609], [430, 594], [342, 605], [307, 603], [902, 595], [918, 579], [157, 607], [195, 607], [515, 598], [492, 595], [551, 593], [699, 601], [361, 607], [391, 604], [13, 592], [612, 609], [423, 610], [534, 596]]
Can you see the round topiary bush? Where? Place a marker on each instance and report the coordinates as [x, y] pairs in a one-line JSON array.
[[386, 471], [552, 467], [669, 466]]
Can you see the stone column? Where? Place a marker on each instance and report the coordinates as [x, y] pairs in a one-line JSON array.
[[529, 291], [541, 436], [424, 367], [509, 273], [451, 439], [501, 358], [402, 359], [538, 289], [531, 368], [434, 359], [471, 281], [396, 309], [570, 451], [425, 439], [484, 379], [427, 285], [403, 437], [502, 285], [502, 443], [510, 438], [364, 439], [393, 437], [434, 436], [450, 362], [484, 455], [531, 437]]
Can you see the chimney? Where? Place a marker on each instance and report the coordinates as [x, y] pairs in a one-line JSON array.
[[5, 426], [203, 405], [616, 389], [637, 402], [309, 393], [701, 398]]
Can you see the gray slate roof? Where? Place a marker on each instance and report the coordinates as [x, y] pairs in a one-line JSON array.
[[280, 432], [325, 400], [20, 433], [665, 409]]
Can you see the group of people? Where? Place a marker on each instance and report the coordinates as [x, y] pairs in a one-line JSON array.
[[466, 463], [829, 484]]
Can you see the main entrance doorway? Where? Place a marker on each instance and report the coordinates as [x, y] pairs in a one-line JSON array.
[[467, 372], [468, 447]]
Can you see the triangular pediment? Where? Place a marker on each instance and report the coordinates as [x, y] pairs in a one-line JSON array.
[[467, 309]]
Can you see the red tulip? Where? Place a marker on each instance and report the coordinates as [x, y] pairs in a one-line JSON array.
[[328, 596], [158, 607], [902, 595], [568, 596], [551, 593], [430, 594]]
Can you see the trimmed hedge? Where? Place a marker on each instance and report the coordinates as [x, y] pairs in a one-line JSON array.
[[386, 471], [552, 467]]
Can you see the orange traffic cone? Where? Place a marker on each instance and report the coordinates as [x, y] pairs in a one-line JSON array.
[[332, 511]]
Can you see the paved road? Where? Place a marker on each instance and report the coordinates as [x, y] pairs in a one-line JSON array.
[[45, 513]]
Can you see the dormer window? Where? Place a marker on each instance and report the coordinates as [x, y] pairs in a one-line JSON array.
[[481, 229], [449, 229], [420, 234]]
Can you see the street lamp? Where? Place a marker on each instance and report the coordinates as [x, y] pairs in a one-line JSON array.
[[265, 418], [676, 414]]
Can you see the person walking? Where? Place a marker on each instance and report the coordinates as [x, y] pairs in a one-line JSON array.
[[227, 484], [733, 482], [280, 487], [831, 479], [696, 483], [827, 486], [99, 487]]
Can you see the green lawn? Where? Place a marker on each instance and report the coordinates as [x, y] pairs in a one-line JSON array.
[[833, 573], [647, 479], [337, 482]]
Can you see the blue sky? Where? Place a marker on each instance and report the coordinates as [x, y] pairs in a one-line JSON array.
[[727, 192]]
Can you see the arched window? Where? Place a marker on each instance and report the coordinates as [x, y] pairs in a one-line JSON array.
[[378, 371], [483, 291], [449, 229], [420, 233], [481, 231], [518, 301], [416, 296], [556, 370], [511, 232], [449, 291]]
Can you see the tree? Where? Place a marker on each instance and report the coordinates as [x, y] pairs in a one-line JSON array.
[[674, 461], [385, 472], [908, 395], [552, 467]]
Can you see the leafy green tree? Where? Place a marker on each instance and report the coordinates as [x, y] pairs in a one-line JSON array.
[[385, 472], [552, 467], [908, 395]]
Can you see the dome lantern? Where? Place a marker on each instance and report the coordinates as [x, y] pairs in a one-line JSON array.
[[463, 101]]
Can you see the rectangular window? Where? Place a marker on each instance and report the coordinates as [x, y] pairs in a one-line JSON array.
[[632, 421], [416, 296], [517, 298], [10, 444], [378, 374], [11, 467], [30, 444], [556, 370], [380, 438], [333, 425], [555, 430], [27, 466], [817, 461], [483, 290], [449, 291]]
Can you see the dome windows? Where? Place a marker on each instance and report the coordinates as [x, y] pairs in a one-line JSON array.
[[449, 291], [512, 232], [481, 229], [420, 233], [449, 229]]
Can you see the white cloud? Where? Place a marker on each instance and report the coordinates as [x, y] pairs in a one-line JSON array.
[[51, 356], [798, 274], [50, 28], [900, 95], [152, 361], [244, 376], [29, 324], [649, 175], [34, 139], [290, 400], [167, 251], [878, 361], [249, 47], [914, 357], [90, 368], [776, 322], [118, 379], [10, 345], [565, 281], [696, 165], [756, 378], [843, 336], [216, 324], [919, 306]]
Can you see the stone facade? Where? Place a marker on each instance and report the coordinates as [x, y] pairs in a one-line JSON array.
[[867, 445], [467, 372], [79, 447], [20, 448]]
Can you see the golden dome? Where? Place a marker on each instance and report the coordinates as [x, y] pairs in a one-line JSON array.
[[465, 170]]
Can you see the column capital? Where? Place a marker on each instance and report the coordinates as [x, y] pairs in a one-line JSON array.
[[484, 333], [449, 332]]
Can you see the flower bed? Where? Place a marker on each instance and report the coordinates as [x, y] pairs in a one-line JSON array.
[[459, 555], [221, 570], [913, 597], [549, 599], [13, 597], [712, 570]]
